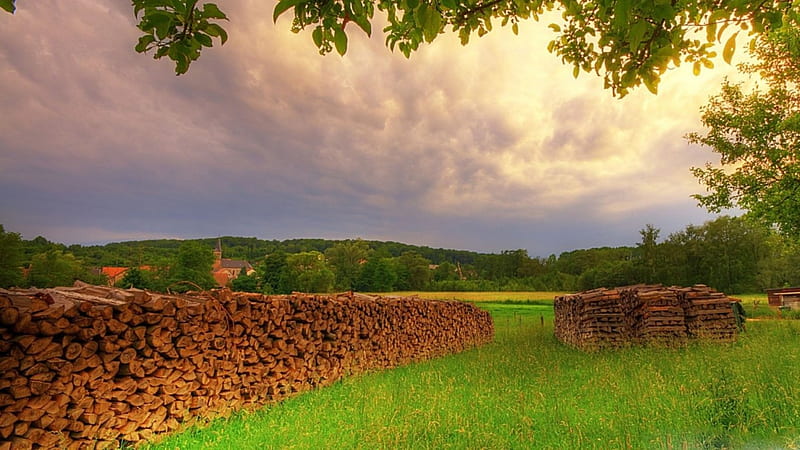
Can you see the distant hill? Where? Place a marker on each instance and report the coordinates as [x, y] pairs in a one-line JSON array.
[[134, 253]]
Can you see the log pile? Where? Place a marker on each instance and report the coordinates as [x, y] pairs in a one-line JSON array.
[[708, 313], [654, 314], [643, 314], [592, 319], [96, 367]]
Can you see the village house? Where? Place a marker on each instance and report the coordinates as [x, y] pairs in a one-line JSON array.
[[114, 274], [226, 270]]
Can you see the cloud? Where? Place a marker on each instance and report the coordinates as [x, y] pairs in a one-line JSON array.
[[489, 146]]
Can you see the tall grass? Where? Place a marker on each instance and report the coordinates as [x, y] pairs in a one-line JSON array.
[[526, 390]]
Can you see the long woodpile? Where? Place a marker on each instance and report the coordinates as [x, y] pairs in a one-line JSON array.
[[643, 314], [96, 367]]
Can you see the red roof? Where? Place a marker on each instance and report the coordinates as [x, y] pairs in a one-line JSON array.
[[113, 272], [221, 277]]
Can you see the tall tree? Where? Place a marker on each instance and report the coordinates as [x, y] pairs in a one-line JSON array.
[[192, 266], [245, 283], [757, 137], [649, 250], [59, 268], [133, 278], [726, 253], [10, 258], [274, 272], [413, 271], [346, 259], [377, 275], [309, 272], [446, 271]]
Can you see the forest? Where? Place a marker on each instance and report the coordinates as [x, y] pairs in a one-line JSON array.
[[731, 254]]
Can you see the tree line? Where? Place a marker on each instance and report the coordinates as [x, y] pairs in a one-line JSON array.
[[732, 254]]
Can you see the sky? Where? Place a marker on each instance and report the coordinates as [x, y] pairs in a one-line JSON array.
[[484, 147]]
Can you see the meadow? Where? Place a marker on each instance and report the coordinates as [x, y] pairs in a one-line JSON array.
[[526, 390]]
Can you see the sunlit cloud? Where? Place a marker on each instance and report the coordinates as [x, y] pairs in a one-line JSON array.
[[489, 146]]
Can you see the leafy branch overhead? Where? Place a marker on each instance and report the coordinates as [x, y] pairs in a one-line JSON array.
[[178, 29], [628, 43]]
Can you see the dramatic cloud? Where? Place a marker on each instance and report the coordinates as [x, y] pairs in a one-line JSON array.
[[488, 147]]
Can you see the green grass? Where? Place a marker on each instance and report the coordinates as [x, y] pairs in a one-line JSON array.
[[757, 306], [526, 390]]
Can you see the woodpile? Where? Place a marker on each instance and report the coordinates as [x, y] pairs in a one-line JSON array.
[[591, 319], [654, 314], [643, 314], [708, 313], [97, 367]]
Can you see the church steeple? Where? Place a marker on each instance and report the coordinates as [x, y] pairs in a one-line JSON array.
[[218, 250]]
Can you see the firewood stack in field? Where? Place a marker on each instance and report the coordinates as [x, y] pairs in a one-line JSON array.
[[643, 314], [654, 314], [708, 313], [591, 319], [91, 366]]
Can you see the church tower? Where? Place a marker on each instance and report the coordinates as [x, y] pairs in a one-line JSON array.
[[218, 254]]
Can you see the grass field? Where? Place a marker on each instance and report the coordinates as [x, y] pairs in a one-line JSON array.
[[526, 390]]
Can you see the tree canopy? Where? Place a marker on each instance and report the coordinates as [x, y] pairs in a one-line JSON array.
[[757, 137], [10, 258], [628, 43]]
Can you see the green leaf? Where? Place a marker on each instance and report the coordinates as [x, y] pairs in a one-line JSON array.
[[160, 20], [203, 39], [711, 31], [622, 12], [421, 15], [433, 25], [340, 41], [651, 82], [664, 12], [8, 5], [358, 8], [211, 11], [721, 30], [364, 24], [636, 34], [555, 27], [449, 4], [515, 28], [182, 64], [215, 30], [576, 71], [696, 68], [144, 42], [718, 15], [282, 6], [316, 36], [730, 48]]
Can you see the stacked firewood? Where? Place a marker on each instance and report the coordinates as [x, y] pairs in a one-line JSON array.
[[647, 314], [591, 319], [90, 366], [654, 314], [708, 313]]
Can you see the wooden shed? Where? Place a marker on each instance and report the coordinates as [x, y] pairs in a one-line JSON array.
[[784, 297]]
